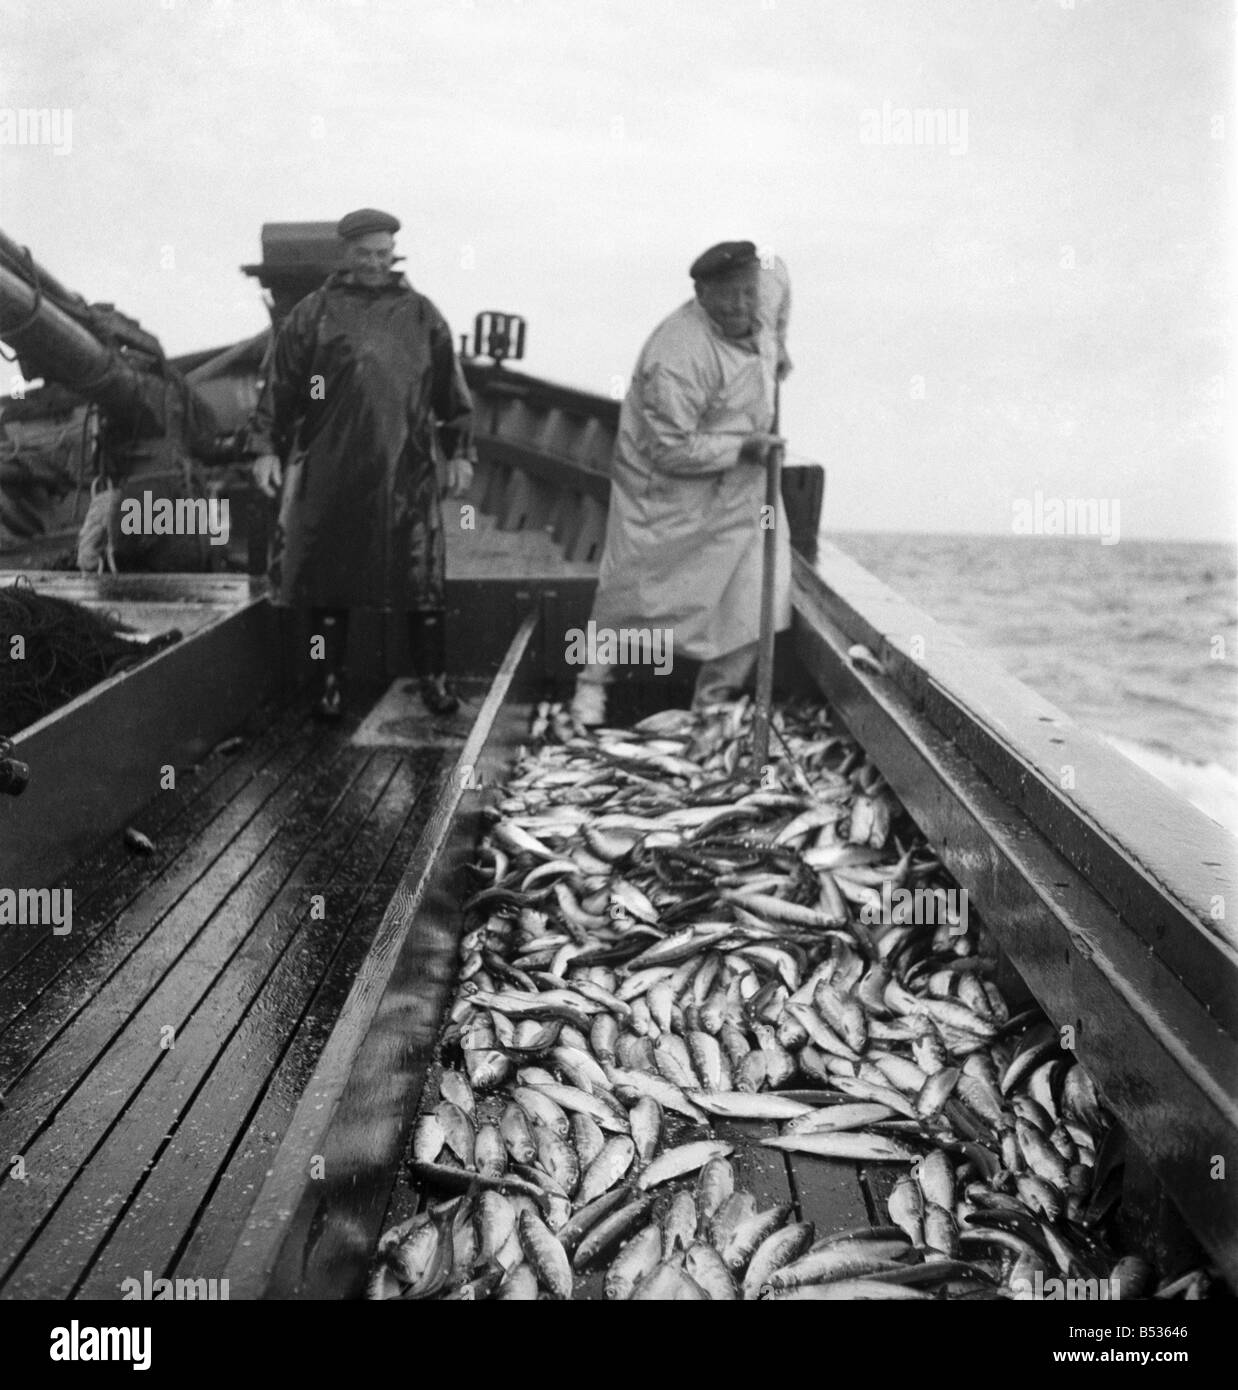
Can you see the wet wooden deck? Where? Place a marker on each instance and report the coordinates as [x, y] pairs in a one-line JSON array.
[[150, 1059]]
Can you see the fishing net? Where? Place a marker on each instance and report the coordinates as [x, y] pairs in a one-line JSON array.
[[67, 649]]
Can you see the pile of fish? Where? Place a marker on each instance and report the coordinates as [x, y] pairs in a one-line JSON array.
[[667, 939]]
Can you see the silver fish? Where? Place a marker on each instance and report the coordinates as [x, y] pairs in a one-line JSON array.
[[609, 1167], [679, 1224], [706, 1268], [611, 1229], [781, 1247], [545, 1255], [639, 1256], [859, 1146], [686, 1158], [749, 1234]]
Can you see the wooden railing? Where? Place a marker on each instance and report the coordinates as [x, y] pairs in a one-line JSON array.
[[544, 462]]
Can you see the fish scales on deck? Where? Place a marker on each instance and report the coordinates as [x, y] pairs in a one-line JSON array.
[[699, 1050]]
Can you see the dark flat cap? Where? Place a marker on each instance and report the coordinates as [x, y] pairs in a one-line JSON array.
[[722, 259], [366, 220]]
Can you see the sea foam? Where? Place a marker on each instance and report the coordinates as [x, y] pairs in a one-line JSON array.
[[1211, 788]]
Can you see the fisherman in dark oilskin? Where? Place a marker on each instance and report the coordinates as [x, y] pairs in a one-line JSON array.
[[361, 380]]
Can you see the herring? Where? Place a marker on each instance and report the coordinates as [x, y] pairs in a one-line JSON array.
[[610, 1230], [687, 1158], [858, 1146], [743, 1105], [545, 1255], [779, 1248], [608, 1168], [659, 942]]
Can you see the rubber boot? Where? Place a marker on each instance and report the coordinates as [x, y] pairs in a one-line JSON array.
[[427, 640], [332, 625]]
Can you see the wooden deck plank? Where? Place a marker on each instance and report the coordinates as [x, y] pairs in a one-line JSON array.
[[112, 877], [254, 1144], [96, 994], [827, 1193], [275, 724], [117, 1045], [163, 1212], [90, 875], [210, 782], [97, 1196]]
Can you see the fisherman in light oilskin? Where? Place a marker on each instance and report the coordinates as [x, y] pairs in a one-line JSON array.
[[683, 534], [363, 388]]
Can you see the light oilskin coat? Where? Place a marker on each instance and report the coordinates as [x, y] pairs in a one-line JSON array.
[[359, 379], [684, 538]]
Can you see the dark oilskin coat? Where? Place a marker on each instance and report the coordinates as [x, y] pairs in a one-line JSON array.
[[357, 384]]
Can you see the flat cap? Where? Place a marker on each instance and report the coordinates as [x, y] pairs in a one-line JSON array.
[[366, 220], [722, 259]]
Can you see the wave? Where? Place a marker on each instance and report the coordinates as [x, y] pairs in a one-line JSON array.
[[1137, 640], [1209, 787], [1157, 699]]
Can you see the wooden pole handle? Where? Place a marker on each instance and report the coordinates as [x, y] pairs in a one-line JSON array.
[[769, 562]]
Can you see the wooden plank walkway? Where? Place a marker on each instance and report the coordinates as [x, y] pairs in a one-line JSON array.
[[150, 1060]]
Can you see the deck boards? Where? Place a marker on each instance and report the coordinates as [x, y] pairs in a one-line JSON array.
[[107, 882], [256, 937], [254, 1146], [170, 919], [164, 821], [186, 1167], [140, 1156]]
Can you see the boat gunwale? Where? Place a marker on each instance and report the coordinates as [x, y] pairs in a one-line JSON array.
[[1007, 745], [113, 739], [1162, 1060]]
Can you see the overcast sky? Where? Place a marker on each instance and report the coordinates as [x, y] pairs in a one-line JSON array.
[[1038, 301]]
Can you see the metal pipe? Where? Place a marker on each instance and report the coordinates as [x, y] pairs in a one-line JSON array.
[[52, 288], [52, 344]]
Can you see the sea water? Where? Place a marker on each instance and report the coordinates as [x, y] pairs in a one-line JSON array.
[[1136, 641]]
